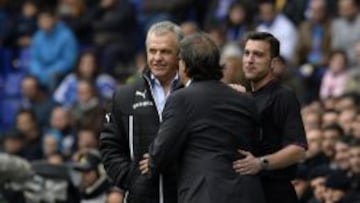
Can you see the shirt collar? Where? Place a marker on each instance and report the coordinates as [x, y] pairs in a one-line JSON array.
[[154, 80], [188, 83]]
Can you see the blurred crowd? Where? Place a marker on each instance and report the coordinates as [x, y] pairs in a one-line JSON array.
[[60, 61]]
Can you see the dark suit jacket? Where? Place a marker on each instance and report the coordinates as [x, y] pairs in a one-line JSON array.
[[203, 126]]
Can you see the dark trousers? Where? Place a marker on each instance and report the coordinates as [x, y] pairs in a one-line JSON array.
[[279, 191]]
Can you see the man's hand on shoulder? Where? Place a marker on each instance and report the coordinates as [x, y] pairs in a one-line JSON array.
[[238, 88]]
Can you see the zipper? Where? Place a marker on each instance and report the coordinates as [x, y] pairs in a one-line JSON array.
[[161, 187], [131, 136]]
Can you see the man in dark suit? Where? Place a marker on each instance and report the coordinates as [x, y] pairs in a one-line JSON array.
[[203, 126]]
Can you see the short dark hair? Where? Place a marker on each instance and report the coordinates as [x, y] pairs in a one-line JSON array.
[[48, 10], [336, 128], [201, 56], [269, 38], [339, 52]]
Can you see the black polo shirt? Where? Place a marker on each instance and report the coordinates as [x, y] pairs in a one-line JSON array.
[[281, 124]]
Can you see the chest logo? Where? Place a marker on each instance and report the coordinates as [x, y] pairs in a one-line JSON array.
[[141, 94], [143, 104]]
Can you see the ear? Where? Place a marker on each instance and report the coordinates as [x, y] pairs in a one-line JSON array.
[[274, 62]]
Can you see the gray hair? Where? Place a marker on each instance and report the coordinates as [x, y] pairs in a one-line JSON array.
[[165, 27]]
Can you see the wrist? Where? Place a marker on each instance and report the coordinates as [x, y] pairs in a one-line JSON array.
[[264, 163]]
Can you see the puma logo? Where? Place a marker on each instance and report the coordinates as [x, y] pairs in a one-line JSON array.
[[107, 117], [141, 94]]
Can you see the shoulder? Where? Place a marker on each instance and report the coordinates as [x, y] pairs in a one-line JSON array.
[[38, 35], [284, 96], [279, 88], [180, 93], [105, 78], [70, 77]]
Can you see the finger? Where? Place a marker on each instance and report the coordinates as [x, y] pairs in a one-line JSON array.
[[142, 166], [145, 171], [146, 156], [241, 164], [243, 152], [142, 162]]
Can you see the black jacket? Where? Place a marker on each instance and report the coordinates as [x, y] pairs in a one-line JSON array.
[[203, 127], [126, 136]]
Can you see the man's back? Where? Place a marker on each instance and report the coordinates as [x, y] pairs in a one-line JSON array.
[[215, 122], [220, 121]]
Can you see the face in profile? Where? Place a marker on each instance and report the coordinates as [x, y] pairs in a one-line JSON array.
[[162, 59], [182, 72], [256, 60]]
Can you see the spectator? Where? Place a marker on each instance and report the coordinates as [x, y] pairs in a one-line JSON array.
[[314, 41], [87, 139], [314, 154], [114, 26], [345, 30], [13, 143], [51, 145], [317, 178], [331, 135], [312, 121], [231, 61], [26, 123], [189, 28], [36, 99], [87, 69], [334, 81], [53, 51], [329, 117], [24, 29], [341, 159], [238, 22], [61, 127], [353, 82], [71, 12], [345, 120], [338, 189], [87, 111], [94, 184], [354, 161], [278, 25]]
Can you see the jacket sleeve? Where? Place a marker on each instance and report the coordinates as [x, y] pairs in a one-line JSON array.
[[114, 145], [171, 136]]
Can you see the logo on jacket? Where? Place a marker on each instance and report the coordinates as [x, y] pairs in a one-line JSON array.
[[143, 104], [108, 117], [141, 94]]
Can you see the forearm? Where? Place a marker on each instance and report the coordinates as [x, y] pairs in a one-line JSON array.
[[285, 157], [115, 152], [116, 163]]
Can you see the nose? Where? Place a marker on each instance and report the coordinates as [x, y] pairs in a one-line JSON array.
[[157, 56], [249, 58]]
